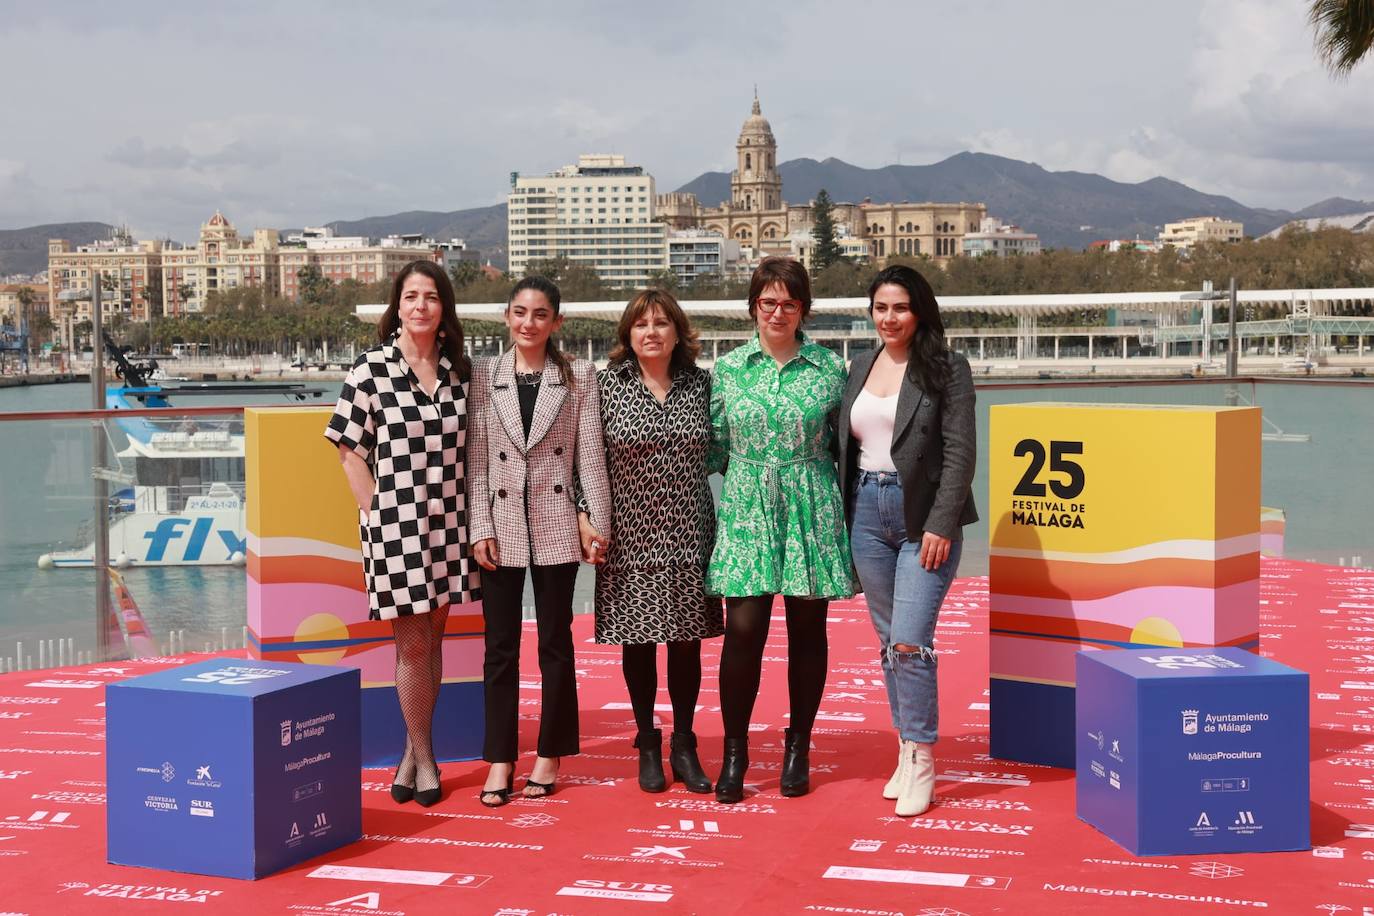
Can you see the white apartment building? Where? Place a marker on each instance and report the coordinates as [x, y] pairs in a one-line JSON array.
[[999, 240], [1184, 234], [802, 243], [347, 257], [599, 212], [696, 253]]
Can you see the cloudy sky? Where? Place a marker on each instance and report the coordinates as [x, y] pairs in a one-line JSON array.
[[156, 114]]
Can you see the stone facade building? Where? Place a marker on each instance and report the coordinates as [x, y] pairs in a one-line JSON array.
[[762, 222]]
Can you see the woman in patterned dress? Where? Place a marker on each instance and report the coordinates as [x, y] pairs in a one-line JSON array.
[[774, 404], [655, 406], [536, 442], [400, 426]]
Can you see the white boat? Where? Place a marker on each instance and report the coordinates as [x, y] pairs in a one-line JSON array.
[[182, 503]]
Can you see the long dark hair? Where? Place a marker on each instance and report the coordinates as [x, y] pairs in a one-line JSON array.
[[927, 353], [550, 290], [450, 328], [685, 350]]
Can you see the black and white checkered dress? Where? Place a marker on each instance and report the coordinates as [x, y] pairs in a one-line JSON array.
[[416, 555]]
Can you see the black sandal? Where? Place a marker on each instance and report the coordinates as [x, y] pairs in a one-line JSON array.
[[544, 788], [502, 795]]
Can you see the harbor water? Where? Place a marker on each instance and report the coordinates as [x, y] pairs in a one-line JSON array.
[[1322, 484]]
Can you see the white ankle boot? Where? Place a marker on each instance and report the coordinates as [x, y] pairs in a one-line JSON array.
[[918, 782], [894, 785]]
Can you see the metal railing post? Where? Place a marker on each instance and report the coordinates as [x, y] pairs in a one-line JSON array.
[[99, 458], [1232, 357]]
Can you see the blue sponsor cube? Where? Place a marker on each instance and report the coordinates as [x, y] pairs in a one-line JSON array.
[[233, 768], [1188, 751]]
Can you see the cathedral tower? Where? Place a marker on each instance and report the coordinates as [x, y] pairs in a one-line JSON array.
[[755, 184]]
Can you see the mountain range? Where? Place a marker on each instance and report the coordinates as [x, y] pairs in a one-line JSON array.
[[1067, 209]]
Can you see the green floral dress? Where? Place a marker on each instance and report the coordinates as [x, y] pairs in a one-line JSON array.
[[781, 520]]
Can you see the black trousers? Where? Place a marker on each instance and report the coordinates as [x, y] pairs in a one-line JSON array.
[[502, 590]]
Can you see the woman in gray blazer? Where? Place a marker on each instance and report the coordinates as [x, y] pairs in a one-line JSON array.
[[535, 441], [907, 449]]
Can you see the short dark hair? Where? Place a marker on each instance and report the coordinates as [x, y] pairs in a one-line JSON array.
[[789, 273], [687, 348], [452, 328]]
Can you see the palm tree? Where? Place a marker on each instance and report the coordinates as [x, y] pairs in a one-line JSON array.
[[1345, 32], [26, 298]]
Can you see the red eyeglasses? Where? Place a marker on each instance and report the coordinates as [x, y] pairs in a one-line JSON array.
[[788, 306]]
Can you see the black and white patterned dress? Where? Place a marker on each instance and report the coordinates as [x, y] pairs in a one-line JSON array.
[[651, 587], [416, 556]]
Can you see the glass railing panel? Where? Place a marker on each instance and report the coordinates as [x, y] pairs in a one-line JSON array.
[[46, 506], [1318, 439], [1318, 451], [174, 503], [173, 490]]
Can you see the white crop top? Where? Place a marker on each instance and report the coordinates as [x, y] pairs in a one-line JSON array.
[[872, 419]]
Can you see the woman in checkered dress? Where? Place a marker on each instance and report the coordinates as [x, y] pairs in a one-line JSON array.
[[536, 441], [400, 426]]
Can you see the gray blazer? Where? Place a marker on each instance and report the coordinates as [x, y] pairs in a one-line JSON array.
[[934, 447], [565, 454]]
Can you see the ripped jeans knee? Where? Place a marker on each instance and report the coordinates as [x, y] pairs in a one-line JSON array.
[[902, 650]]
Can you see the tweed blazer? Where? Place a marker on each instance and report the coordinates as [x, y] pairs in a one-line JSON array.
[[522, 492], [934, 448]]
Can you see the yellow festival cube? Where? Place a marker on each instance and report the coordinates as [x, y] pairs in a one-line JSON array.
[[1112, 527], [307, 601]]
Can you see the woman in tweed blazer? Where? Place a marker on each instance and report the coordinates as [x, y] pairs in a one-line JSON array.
[[535, 441]]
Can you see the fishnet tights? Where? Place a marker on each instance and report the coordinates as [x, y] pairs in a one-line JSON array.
[[419, 673]]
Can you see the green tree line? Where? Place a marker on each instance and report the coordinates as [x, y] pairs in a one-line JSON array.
[[251, 320]]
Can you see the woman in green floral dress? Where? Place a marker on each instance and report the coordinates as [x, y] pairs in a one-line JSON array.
[[774, 402]]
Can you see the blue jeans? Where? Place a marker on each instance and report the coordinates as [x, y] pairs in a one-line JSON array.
[[903, 600]]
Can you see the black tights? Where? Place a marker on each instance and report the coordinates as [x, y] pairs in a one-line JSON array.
[[684, 681], [741, 659]]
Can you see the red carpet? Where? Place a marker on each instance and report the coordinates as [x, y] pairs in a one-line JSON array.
[[1003, 838]]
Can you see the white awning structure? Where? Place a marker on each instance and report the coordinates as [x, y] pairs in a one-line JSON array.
[[1320, 301]]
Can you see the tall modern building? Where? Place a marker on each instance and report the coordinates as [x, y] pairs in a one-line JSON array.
[[599, 213]]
